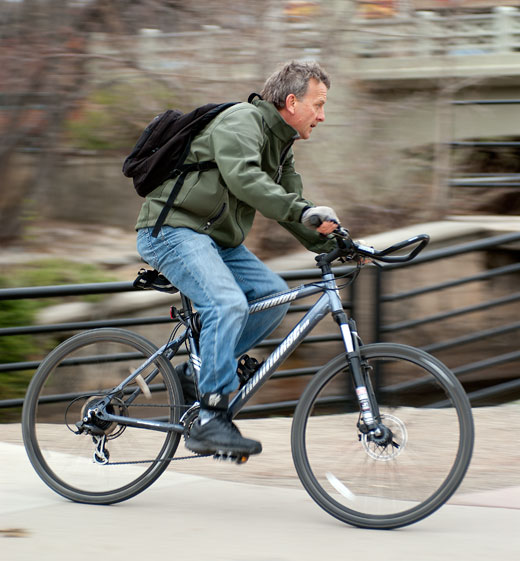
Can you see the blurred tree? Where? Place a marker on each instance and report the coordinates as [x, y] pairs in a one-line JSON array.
[[45, 52], [57, 57], [88, 75]]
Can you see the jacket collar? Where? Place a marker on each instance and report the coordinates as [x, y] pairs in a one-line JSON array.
[[275, 121]]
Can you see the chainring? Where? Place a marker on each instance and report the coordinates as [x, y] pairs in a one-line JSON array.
[[189, 417]]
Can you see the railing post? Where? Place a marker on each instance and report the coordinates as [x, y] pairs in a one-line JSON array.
[[504, 25], [426, 33], [378, 367], [378, 304]]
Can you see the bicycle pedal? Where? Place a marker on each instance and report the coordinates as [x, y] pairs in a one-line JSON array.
[[226, 456]]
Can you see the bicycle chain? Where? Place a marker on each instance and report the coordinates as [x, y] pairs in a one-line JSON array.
[[160, 405], [192, 457]]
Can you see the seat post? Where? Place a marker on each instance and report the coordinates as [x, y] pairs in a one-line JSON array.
[[187, 307]]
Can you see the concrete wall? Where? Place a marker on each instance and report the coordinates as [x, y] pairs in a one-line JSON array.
[[91, 190], [358, 160]]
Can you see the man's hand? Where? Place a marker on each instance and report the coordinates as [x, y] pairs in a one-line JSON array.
[[320, 218], [327, 227]]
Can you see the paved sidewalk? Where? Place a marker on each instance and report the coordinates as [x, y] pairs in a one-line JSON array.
[[190, 517]]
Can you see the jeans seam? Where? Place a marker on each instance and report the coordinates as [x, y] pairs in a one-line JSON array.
[[176, 250], [215, 336]]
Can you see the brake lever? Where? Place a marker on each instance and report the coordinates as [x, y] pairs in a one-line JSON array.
[[346, 243]]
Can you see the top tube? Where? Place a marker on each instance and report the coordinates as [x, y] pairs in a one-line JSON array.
[[297, 293]]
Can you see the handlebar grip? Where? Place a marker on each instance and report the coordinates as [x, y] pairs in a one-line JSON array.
[[385, 256]]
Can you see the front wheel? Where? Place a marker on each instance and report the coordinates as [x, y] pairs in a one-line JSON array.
[[415, 465], [111, 462]]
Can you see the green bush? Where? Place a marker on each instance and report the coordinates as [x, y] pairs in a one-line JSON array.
[[17, 313]]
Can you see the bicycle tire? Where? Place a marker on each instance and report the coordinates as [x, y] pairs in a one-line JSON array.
[[378, 485], [79, 369]]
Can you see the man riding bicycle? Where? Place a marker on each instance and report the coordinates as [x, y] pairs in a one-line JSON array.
[[200, 245]]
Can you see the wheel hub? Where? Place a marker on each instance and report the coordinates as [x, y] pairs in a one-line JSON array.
[[91, 418], [382, 436], [91, 423], [388, 441]]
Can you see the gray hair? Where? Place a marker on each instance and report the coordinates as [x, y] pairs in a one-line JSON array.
[[292, 78]]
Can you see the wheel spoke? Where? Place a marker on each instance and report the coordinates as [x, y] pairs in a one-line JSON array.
[[80, 455]]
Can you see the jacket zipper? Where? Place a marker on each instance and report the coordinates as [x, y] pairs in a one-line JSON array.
[[212, 221], [238, 223], [283, 155]]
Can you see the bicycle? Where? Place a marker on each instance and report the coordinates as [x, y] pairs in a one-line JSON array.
[[374, 455]]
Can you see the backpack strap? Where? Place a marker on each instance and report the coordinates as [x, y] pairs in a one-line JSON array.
[[182, 173], [252, 96], [182, 170]]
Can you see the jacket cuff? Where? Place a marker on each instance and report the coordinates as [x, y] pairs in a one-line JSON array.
[[304, 210]]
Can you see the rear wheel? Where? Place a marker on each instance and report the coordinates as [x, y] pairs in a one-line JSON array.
[[416, 462], [110, 462]]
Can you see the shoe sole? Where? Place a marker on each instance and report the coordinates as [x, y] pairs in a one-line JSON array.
[[201, 447]]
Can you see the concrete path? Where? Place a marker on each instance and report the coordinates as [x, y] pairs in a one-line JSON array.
[[187, 517]]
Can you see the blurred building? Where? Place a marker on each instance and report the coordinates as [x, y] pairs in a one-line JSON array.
[[372, 9]]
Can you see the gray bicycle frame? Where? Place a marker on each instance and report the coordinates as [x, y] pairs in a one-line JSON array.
[[329, 302]]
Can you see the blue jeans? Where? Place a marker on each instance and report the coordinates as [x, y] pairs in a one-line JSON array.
[[220, 282]]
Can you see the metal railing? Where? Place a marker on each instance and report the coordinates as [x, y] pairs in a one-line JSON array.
[[382, 324], [487, 386], [68, 328], [502, 180]]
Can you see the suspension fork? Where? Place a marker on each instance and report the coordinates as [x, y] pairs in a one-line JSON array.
[[370, 418]]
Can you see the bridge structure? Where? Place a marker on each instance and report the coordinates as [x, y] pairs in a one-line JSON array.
[[449, 81], [426, 45]]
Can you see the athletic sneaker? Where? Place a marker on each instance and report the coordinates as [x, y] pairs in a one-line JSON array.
[[220, 435]]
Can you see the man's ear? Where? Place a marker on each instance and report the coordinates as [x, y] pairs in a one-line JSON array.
[[290, 103]]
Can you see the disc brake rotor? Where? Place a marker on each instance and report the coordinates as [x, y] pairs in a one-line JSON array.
[[387, 448]]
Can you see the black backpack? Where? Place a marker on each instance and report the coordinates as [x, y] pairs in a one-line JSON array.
[[161, 149]]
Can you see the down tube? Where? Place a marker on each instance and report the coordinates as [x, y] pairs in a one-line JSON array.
[[320, 309]]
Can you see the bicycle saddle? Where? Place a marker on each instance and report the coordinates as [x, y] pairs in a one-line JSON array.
[[152, 279]]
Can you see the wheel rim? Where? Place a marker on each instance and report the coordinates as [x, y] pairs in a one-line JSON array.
[[351, 477], [69, 462]]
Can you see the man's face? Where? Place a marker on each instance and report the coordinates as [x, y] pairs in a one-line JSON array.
[[305, 113]]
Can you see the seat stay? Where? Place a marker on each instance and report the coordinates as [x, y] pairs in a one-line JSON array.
[[163, 351]]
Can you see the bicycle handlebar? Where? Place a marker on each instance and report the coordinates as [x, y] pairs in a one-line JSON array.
[[347, 247]]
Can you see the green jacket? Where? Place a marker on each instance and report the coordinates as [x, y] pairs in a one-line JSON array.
[[252, 146]]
